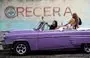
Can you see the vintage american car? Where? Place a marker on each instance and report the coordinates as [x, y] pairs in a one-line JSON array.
[[22, 42]]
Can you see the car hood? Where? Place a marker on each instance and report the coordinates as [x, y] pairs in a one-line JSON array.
[[20, 33]]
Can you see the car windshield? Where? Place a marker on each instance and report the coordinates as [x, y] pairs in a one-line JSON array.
[[42, 26]]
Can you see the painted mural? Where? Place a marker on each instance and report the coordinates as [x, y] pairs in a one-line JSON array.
[[26, 14]]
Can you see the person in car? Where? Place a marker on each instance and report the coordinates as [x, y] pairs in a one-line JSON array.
[[53, 25], [74, 22]]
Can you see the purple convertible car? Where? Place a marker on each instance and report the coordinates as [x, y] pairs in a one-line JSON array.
[[22, 42]]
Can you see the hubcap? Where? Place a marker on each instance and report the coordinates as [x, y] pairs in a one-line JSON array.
[[87, 49], [21, 49]]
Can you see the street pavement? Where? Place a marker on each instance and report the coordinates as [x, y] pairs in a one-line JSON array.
[[42, 54], [48, 54]]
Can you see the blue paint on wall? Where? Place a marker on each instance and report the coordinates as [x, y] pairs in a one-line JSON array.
[[17, 24]]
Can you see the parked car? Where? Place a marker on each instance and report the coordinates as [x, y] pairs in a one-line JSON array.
[[22, 42]]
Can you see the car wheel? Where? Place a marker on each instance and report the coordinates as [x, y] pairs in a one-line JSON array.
[[87, 48], [21, 48]]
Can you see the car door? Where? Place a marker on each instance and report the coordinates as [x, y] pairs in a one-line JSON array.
[[53, 40], [77, 38]]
